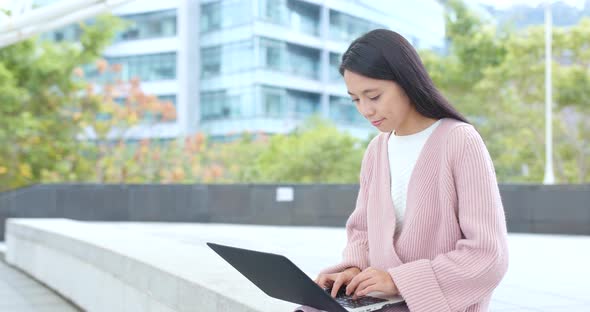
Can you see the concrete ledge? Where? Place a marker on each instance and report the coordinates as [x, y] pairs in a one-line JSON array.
[[106, 266], [113, 269]]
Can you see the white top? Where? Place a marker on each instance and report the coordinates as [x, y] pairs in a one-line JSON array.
[[403, 152]]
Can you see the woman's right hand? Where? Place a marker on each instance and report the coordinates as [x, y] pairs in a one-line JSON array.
[[337, 280]]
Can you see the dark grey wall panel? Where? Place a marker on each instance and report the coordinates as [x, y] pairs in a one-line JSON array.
[[561, 209], [266, 210]]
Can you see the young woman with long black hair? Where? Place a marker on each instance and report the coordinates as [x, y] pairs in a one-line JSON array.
[[429, 223]]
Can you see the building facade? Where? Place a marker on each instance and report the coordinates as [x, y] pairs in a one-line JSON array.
[[231, 66]]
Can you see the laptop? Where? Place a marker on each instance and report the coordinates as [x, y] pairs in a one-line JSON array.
[[280, 278]]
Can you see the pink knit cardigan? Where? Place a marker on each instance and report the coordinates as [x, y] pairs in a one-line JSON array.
[[452, 251]]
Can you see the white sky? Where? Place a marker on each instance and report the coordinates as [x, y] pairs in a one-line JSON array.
[[507, 3]]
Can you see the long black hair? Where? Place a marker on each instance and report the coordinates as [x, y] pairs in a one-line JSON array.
[[386, 55]]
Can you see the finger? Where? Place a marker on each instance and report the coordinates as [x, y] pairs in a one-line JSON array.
[[319, 280], [368, 289], [362, 286], [361, 277], [352, 285], [337, 284], [324, 280]]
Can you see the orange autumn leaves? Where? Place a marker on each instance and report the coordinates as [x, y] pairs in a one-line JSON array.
[[121, 106], [189, 160], [124, 101]]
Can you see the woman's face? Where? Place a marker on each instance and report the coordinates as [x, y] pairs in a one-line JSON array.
[[383, 102]]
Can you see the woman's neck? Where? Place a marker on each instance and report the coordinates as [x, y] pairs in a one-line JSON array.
[[414, 125]]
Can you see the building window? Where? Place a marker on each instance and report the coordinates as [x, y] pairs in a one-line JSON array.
[[283, 103], [210, 61], [147, 67], [304, 17], [168, 98], [228, 58], [343, 110], [334, 67], [150, 25], [294, 14], [271, 54], [213, 105], [274, 102], [210, 16], [344, 27], [225, 14], [69, 33], [274, 11], [303, 61], [304, 103], [227, 104], [289, 58]]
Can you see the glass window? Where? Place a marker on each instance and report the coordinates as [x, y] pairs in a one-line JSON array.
[[225, 14], [271, 53], [274, 11], [237, 56], [298, 15], [283, 103], [304, 61], [344, 27], [148, 67], [343, 110], [304, 103], [334, 66], [304, 17], [150, 25], [168, 98], [210, 61], [228, 58], [210, 16], [289, 58], [274, 102], [227, 104], [213, 105], [67, 33]]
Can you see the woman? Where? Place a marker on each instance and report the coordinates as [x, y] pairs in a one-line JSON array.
[[428, 223]]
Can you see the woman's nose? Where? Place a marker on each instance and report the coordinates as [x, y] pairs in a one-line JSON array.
[[366, 109]]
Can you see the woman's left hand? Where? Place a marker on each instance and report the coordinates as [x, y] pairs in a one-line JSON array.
[[371, 280]]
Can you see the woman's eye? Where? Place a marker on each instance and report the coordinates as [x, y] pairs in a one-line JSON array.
[[355, 100], [375, 98]]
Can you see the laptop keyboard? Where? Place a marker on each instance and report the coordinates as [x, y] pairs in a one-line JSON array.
[[348, 302]]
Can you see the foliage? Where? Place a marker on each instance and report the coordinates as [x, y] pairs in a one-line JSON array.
[[496, 77]]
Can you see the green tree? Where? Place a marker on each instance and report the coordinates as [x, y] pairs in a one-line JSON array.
[[496, 77], [239, 158], [40, 105], [316, 152]]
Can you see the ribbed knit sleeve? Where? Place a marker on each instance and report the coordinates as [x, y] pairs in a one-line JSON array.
[[356, 251], [464, 276]]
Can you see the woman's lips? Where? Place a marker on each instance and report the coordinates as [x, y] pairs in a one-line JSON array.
[[378, 122]]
